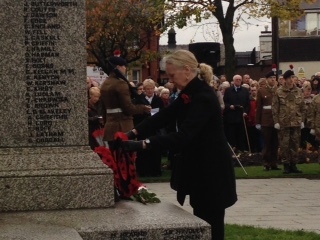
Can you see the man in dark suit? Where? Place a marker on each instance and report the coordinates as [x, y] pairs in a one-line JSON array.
[[237, 106]]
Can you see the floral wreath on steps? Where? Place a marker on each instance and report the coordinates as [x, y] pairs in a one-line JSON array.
[[123, 166]]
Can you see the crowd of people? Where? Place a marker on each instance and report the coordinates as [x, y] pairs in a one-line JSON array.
[[275, 118], [258, 116]]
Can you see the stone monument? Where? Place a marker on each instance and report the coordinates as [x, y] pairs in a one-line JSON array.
[[45, 161]]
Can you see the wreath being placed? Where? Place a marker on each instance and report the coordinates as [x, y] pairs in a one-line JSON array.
[[123, 166]]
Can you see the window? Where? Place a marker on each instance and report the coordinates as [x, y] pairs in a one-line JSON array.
[[307, 25], [136, 75], [312, 20]]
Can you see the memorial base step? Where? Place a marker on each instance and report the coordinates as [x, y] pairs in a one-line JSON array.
[[53, 178], [127, 220]]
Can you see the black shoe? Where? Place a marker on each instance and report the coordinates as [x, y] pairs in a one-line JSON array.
[[275, 168], [116, 195], [294, 169], [266, 168], [286, 168]]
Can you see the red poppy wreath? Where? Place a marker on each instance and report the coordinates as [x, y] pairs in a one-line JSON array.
[[123, 166]]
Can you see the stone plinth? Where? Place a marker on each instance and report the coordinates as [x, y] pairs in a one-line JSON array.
[[45, 161], [53, 178], [127, 220]]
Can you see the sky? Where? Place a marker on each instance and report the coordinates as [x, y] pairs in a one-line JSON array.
[[246, 36]]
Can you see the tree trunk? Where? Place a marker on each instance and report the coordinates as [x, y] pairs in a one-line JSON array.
[[226, 27], [230, 61]]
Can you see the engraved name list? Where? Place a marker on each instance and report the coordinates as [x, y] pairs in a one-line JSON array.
[[47, 103]]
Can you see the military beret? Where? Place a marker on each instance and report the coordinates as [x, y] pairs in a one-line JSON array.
[[118, 61], [288, 74], [270, 74]]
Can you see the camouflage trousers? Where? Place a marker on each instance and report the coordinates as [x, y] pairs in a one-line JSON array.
[[289, 141]]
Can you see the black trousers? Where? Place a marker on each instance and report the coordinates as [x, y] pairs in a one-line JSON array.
[[236, 135], [307, 137], [215, 218], [148, 163]]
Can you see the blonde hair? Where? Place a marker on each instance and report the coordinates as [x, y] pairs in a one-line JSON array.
[[306, 84], [164, 90], [94, 91], [245, 85], [149, 83], [160, 89], [224, 85], [254, 83], [181, 58]]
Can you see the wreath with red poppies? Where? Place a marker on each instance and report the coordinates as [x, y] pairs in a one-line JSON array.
[[123, 166]]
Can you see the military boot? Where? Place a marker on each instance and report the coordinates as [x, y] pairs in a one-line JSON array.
[[294, 169], [286, 168]]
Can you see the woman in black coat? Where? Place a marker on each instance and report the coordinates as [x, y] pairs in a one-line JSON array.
[[203, 168]]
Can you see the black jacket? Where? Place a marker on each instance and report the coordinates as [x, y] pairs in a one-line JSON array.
[[204, 169], [241, 101], [155, 103]]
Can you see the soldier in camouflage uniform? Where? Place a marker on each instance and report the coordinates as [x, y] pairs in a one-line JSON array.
[[288, 108], [306, 137], [314, 118]]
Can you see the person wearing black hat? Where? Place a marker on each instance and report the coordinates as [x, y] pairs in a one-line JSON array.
[[116, 100], [288, 109], [265, 123]]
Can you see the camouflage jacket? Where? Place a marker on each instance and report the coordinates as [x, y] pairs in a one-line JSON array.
[[306, 119], [288, 107], [314, 115]]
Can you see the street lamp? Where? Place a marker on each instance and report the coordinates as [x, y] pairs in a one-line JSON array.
[[275, 42]]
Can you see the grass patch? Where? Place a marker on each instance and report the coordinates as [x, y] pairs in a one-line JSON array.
[[242, 232], [310, 171]]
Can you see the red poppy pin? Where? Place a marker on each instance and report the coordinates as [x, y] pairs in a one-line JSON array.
[[186, 99]]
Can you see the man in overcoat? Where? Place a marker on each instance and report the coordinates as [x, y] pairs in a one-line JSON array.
[[237, 106]]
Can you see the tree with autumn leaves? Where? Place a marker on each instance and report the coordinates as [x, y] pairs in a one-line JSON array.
[[180, 12], [125, 25]]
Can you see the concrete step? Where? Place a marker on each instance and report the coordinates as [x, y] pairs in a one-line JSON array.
[[127, 220]]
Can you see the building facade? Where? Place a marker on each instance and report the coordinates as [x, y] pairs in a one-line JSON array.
[[299, 41]]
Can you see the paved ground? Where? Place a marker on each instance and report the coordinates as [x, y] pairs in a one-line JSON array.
[[286, 203]]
